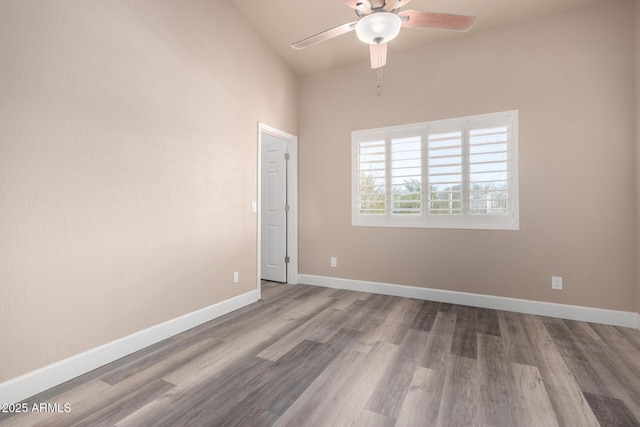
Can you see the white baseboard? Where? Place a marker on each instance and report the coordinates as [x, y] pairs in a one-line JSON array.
[[20, 388], [562, 311]]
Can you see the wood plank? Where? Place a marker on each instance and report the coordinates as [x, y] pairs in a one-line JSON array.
[[271, 290], [496, 389], [314, 329], [323, 393], [341, 390], [170, 356], [437, 350], [312, 291], [359, 316], [425, 317], [569, 404], [459, 404], [223, 399], [243, 320], [531, 394], [291, 376], [390, 393], [621, 381], [611, 412], [182, 403], [633, 335], [345, 302], [123, 405], [366, 418], [465, 343], [422, 402], [205, 365], [409, 309], [617, 341], [516, 344], [385, 325], [510, 393], [360, 387], [576, 358], [299, 314], [488, 322]]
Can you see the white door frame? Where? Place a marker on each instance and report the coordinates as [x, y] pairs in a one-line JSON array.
[[292, 198]]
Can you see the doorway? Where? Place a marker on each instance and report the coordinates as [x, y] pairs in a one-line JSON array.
[[277, 206]]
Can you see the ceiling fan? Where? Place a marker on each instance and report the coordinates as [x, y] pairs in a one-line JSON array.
[[380, 22]]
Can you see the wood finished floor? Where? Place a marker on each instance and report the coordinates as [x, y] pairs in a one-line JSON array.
[[308, 356]]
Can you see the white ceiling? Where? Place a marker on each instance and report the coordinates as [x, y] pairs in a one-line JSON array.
[[282, 22]]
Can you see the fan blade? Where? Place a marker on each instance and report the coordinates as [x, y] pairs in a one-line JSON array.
[[440, 21], [363, 6], [390, 5], [378, 54], [325, 35]]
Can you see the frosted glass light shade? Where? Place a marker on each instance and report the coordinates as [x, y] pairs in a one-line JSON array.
[[378, 27]]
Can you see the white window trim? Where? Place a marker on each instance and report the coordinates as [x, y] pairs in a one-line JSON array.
[[511, 221]]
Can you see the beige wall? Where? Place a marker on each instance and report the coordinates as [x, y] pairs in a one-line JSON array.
[[127, 166], [636, 27], [570, 75]]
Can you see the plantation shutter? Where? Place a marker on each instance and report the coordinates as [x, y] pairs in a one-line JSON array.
[[371, 170], [453, 173], [488, 168], [406, 173], [444, 170]]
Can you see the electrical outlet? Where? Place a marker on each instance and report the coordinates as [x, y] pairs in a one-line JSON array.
[[334, 261], [236, 276], [556, 283]]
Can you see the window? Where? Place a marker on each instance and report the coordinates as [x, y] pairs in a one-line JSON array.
[[456, 173]]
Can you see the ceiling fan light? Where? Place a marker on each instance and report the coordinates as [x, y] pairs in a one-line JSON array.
[[378, 27]]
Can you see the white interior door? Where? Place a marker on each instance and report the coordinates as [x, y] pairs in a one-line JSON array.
[[274, 213]]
